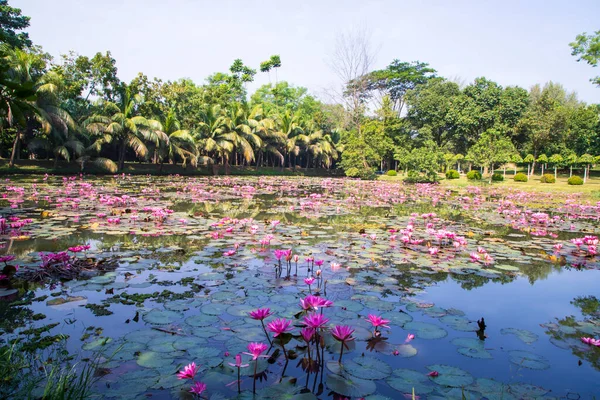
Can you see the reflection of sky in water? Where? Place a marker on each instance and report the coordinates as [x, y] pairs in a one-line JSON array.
[[506, 301]]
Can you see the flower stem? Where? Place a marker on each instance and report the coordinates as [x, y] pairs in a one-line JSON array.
[[341, 352], [239, 390], [254, 384], [262, 322]]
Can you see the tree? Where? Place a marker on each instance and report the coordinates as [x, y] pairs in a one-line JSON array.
[[516, 159], [492, 147], [120, 123], [397, 79], [180, 143], [529, 160], [570, 159], [543, 160], [556, 161], [275, 62], [11, 21], [587, 160], [587, 48], [424, 160]]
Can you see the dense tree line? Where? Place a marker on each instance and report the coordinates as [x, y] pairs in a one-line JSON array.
[[404, 116]]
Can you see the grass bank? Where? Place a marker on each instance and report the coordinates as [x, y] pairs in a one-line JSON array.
[[65, 168]]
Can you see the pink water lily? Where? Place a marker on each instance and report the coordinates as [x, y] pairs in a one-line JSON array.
[[409, 338], [377, 321], [256, 350], [7, 258], [261, 313], [307, 334], [238, 362], [309, 281], [188, 372], [279, 326], [433, 374], [314, 302], [315, 321], [591, 341], [198, 388], [343, 334]]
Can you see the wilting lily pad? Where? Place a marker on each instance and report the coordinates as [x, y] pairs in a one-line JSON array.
[[450, 376], [528, 360], [350, 386], [425, 330], [404, 380], [366, 367], [524, 335]]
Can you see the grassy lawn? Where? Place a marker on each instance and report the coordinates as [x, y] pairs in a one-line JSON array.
[[590, 189]]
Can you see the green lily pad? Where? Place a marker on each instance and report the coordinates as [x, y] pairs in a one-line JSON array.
[[161, 317], [528, 360], [366, 367], [151, 359], [450, 376], [524, 335], [471, 347], [492, 390], [350, 386], [425, 330], [404, 380], [202, 320]]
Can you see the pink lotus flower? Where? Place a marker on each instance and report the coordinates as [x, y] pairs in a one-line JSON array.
[[335, 266], [409, 338], [592, 250], [279, 254], [318, 263], [315, 321], [229, 253], [309, 281], [7, 258], [296, 258], [279, 326], [558, 246], [307, 334], [274, 223], [238, 362], [260, 313], [395, 352], [433, 374], [314, 302], [256, 350], [188, 372], [198, 388], [591, 341], [342, 333], [433, 251], [377, 321]]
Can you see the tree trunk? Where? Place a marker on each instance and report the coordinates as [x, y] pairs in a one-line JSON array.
[[570, 171], [554, 172], [585, 168], [122, 155], [14, 150], [542, 169], [55, 161]]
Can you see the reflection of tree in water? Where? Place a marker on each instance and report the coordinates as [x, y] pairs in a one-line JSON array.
[[567, 332], [472, 281], [538, 271]]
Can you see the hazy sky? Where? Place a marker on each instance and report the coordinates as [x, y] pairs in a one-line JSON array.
[[512, 42]]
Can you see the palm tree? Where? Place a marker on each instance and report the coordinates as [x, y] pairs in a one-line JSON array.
[[290, 128], [180, 143], [272, 140], [124, 126], [212, 137], [239, 126]]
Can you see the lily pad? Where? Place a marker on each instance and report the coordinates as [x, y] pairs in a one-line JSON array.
[[350, 386], [528, 360], [161, 317], [524, 335], [450, 376], [425, 330], [404, 380], [366, 367]]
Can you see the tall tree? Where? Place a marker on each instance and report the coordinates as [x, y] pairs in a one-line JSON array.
[[587, 48], [11, 22]]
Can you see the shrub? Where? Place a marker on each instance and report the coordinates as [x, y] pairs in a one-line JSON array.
[[452, 174], [497, 177], [416, 177], [521, 177], [575, 180], [473, 175], [392, 172], [352, 172], [547, 178]]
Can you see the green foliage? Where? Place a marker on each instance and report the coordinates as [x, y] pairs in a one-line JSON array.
[[492, 147], [521, 177], [392, 172], [547, 178], [11, 21], [587, 48], [419, 177], [575, 180], [452, 174], [473, 175], [352, 172], [497, 177]]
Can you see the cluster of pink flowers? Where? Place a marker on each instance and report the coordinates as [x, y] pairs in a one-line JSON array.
[[189, 372], [591, 341], [79, 249], [61, 257]]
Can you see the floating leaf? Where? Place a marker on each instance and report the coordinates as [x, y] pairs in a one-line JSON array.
[[350, 386], [524, 335], [425, 330], [366, 367], [161, 317], [471, 347], [404, 380], [450, 376], [528, 360]]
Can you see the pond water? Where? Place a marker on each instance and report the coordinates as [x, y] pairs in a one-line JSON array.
[[184, 261]]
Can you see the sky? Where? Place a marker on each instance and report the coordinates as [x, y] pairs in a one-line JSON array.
[[511, 42]]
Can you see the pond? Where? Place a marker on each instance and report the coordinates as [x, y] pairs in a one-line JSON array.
[[484, 292]]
